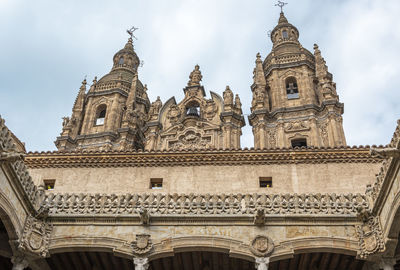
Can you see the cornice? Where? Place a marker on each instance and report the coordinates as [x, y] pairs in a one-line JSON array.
[[95, 159]]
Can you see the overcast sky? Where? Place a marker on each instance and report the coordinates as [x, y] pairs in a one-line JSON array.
[[47, 48]]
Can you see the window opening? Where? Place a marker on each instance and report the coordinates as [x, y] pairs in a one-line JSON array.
[[156, 183], [49, 184], [285, 34], [299, 143], [101, 116], [193, 109], [292, 90], [265, 182], [121, 60]]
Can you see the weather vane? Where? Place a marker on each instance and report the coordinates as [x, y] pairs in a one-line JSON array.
[[131, 30], [281, 5]]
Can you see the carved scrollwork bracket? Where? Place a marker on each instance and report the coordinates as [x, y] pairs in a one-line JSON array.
[[385, 152], [369, 234], [36, 237]]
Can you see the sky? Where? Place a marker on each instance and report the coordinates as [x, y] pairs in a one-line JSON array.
[[49, 46]]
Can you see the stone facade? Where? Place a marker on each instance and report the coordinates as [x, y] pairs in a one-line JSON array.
[[295, 102], [261, 207]]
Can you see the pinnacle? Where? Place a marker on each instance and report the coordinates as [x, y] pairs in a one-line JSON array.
[[282, 19]]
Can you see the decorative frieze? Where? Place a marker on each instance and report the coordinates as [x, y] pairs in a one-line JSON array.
[[204, 204], [199, 157]]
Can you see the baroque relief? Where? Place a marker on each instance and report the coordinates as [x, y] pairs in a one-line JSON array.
[[369, 234], [36, 237], [142, 245], [262, 246]]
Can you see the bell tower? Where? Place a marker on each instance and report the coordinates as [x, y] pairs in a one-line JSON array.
[[294, 98], [112, 113]]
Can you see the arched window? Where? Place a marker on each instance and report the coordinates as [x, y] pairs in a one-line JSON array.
[[193, 109], [292, 90], [299, 143], [101, 115], [285, 34], [121, 60]]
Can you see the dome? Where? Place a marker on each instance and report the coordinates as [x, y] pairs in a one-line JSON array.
[[126, 58]]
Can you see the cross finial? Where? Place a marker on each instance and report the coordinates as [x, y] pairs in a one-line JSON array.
[[281, 5], [131, 30]]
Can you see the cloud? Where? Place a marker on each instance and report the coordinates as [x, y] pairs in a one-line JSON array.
[[49, 46]]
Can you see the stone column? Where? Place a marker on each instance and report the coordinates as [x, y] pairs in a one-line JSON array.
[[141, 263], [19, 262], [387, 263], [262, 263]]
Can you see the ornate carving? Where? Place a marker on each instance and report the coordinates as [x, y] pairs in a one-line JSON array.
[[141, 263], [259, 218], [296, 126], [195, 77], [262, 246], [228, 98], [190, 140], [194, 204], [271, 137], [142, 245], [210, 109], [155, 109], [262, 263], [323, 128], [144, 216], [238, 104], [174, 113], [386, 153], [369, 235], [36, 236]]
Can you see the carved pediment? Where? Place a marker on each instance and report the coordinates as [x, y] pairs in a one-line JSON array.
[[191, 139]]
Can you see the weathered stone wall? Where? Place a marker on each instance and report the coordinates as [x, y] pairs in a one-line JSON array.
[[287, 178]]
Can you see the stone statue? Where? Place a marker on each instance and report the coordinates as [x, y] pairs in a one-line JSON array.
[[195, 77], [238, 104], [155, 109], [228, 96]]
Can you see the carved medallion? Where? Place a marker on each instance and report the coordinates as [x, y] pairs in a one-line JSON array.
[[370, 237], [142, 245], [262, 246], [35, 237]]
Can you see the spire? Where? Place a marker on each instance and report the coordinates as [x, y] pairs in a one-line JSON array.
[[321, 69], [282, 19], [80, 98], [195, 77], [258, 77]]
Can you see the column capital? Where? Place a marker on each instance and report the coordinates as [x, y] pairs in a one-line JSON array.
[[387, 263], [262, 263], [19, 261], [141, 263]]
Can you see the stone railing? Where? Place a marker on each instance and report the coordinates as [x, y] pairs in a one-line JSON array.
[[205, 204]]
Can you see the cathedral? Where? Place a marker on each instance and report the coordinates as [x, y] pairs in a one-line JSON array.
[[165, 185]]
